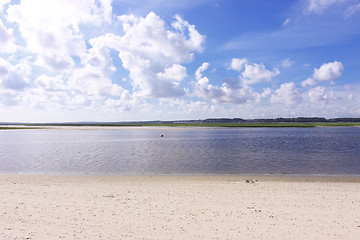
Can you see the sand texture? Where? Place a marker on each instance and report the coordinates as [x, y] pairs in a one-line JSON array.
[[178, 207]]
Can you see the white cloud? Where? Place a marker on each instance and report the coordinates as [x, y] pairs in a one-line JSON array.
[[118, 104], [48, 96], [87, 87], [308, 82], [68, 38], [51, 84], [150, 51], [328, 71], [317, 6], [6, 39], [244, 94], [205, 90], [175, 73], [3, 3], [105, 11], [8, 99], [92, 82], [286, 22], [98, 57], [319, 95], [226, 94], [200, 70], [351, 10], [267, 92], [235, 91], [287, 93], [14, 77], [256, 73], [179, 107], [51, 29], [287, 63], [151, 38], [238, 64], [231, 91]]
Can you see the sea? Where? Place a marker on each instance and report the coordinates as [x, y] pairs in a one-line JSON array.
[[182, 151]]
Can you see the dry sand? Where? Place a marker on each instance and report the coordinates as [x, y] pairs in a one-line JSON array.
[[178, 207]]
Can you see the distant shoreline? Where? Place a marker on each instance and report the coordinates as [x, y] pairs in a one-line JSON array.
[[300, 122], [330, 178], [223, 125]]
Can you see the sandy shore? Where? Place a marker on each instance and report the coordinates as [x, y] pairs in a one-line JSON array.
[[178, 207]]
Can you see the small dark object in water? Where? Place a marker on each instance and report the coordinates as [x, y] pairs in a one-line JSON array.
[[161, 135]]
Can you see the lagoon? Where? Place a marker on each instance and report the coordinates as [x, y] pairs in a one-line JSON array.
[[190, 150]]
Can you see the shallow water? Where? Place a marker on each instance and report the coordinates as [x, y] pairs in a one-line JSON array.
[[182, 151]]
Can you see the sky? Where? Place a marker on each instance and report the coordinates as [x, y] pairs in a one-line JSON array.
[[123, 60]]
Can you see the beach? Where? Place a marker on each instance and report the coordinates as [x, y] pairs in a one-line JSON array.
[[179, 207]]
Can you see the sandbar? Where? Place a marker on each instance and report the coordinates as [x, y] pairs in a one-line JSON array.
[[179, 207]]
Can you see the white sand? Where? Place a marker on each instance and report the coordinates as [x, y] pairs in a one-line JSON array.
[[181, 207]]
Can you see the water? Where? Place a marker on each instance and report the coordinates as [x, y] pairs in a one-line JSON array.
[[182, 151]]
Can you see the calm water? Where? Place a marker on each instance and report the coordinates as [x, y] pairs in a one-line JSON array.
[[182, 151]]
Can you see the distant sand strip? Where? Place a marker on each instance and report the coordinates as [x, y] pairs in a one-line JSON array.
[[178, 207]]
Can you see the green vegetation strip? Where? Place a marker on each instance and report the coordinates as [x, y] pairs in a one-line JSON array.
[[229, 125], [256, 125], [17, 128]]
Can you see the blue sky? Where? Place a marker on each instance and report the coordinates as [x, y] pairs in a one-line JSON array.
[[121, 60]]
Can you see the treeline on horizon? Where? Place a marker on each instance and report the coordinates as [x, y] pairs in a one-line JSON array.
[[280, 120], [200, 121]]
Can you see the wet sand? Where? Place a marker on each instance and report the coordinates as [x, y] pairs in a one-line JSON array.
[[178, 207]]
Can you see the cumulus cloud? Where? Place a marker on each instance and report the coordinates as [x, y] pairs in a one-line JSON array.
[[287, 93], [153, 52], [200, 70], [235, 91], [238, 64], [328, 71], [6, 39], [317, 94], [51, 29], [203, 87], [86, 86], [256, 73], [52, 84], [138, 57], [92, 82], [231, 91], [98, 56], [175, 73], [151, 38], [226, 94], [308, 82], [82, 89], [14, 77]]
